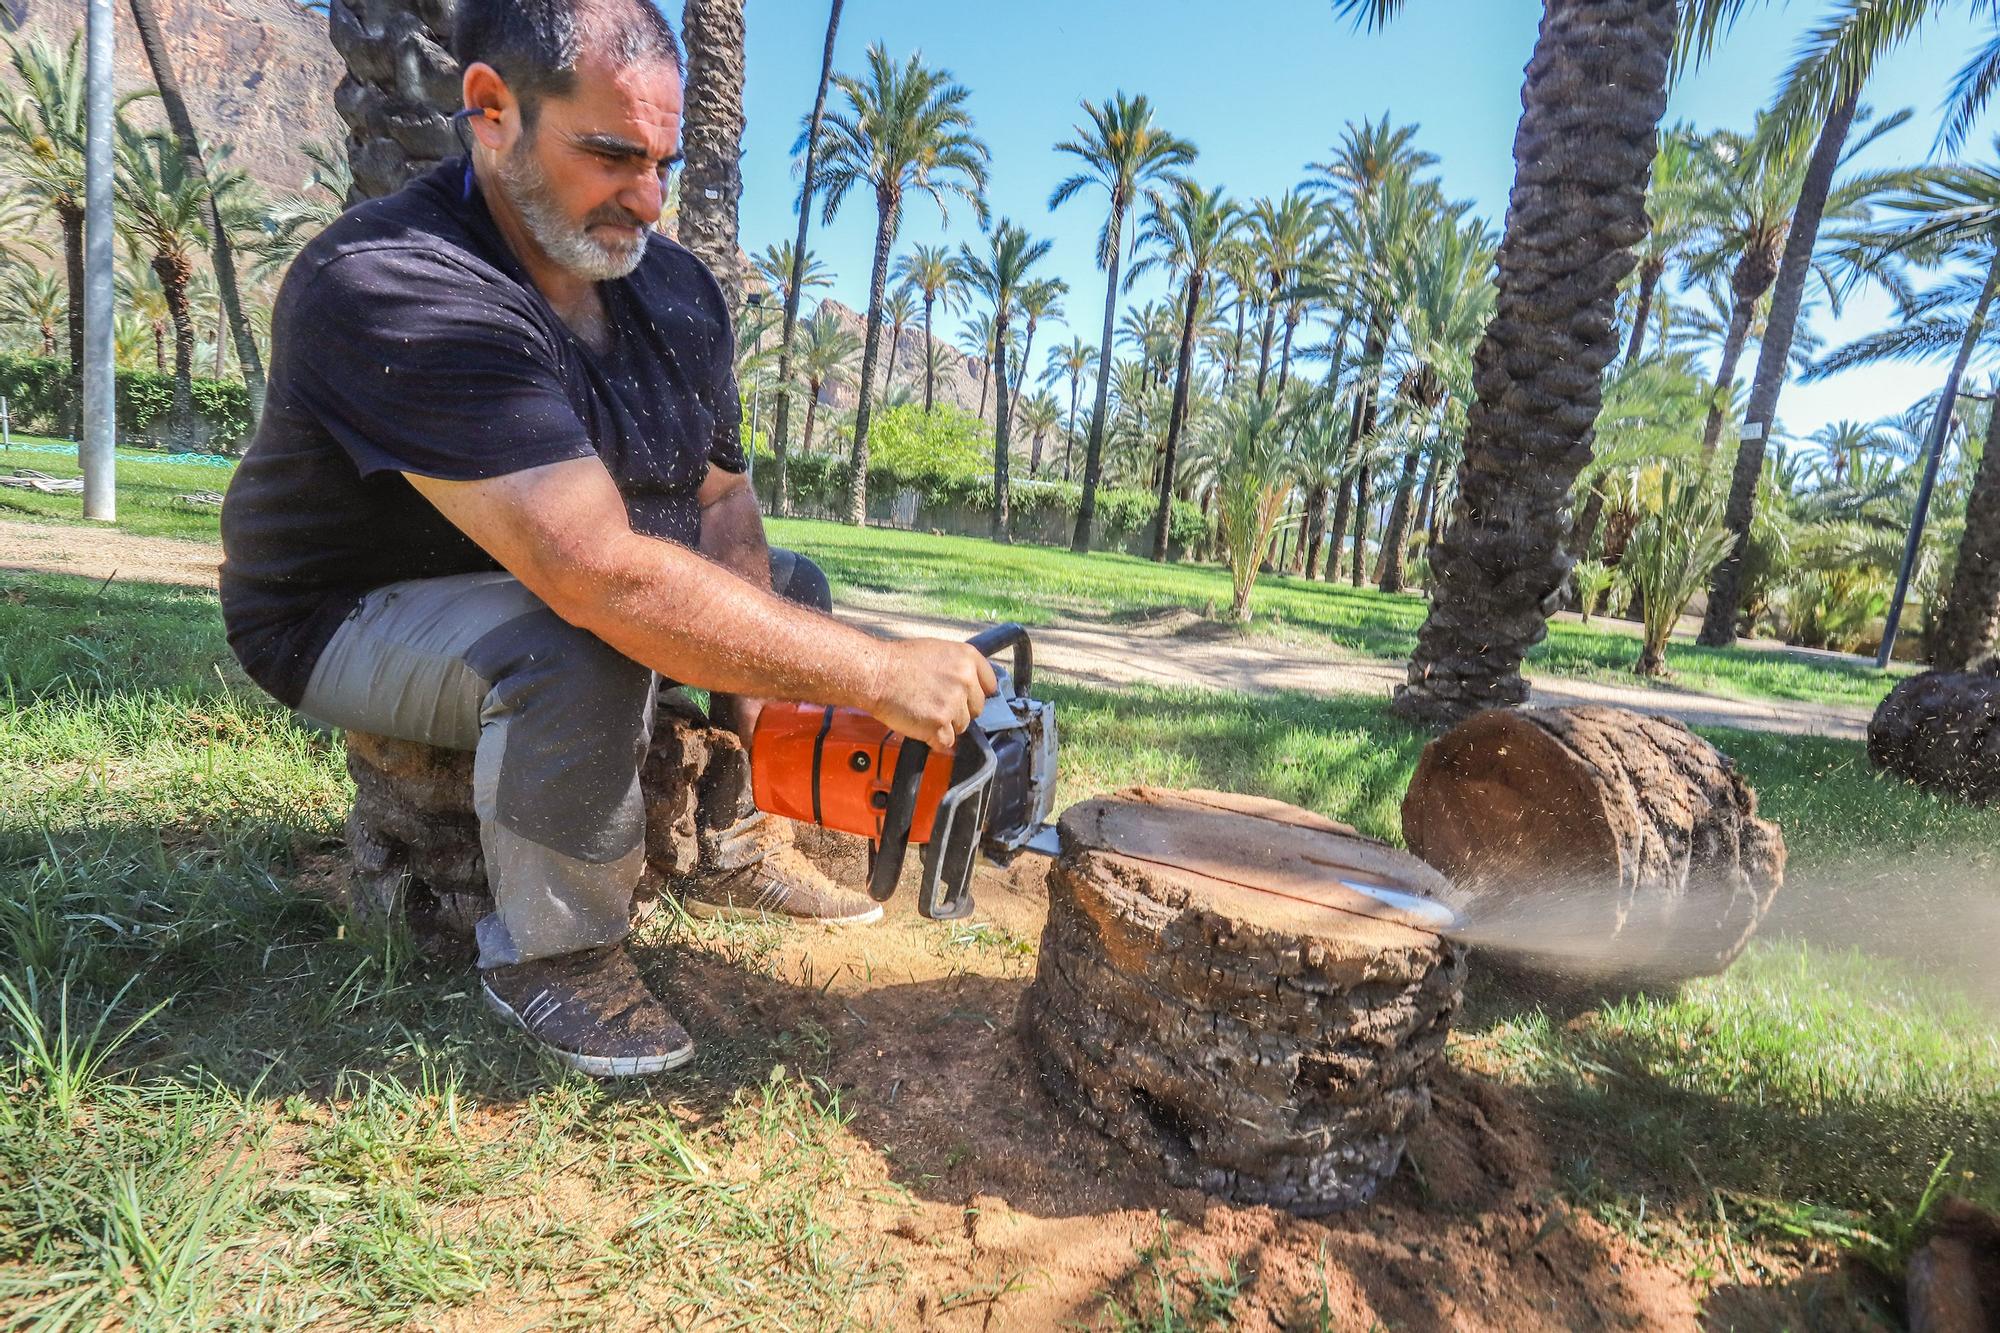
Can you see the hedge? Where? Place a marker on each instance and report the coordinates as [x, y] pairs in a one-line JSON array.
[[41, 400], [962, 502]]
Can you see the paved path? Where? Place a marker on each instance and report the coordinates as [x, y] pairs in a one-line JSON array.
[[1166, 653]]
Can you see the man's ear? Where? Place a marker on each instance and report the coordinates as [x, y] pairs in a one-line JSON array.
[[495, 112]]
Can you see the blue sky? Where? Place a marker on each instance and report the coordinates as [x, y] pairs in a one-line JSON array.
[[1263, 88]]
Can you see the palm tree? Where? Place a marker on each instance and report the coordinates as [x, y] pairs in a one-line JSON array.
[[899, 307], [1246, 458], [289, 223], [42, 132], [1070, 361], [1039, 415], [779, 261], [1669, 207], [161, 214], [1284, 234], [35, 297], [1039, 300], [903, 128], [1001, 275], [712, 140], [1591, 106], [1123, 151], [221, 256], [933, 271], [140, 290], [1186, 230], [976, 341], [399, 90], [825, 356], [794, 285]]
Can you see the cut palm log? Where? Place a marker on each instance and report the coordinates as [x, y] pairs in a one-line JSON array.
[[1243, 990], [1941, 730], [413, 840], [1595, 843]]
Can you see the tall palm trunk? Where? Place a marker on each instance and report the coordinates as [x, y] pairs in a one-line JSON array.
[[888, 206], [1285, 357], [812, 412], [221, 255], [1177, 418], [1742, 307], [160, 346], [1594, 94], [889, 370], [929, 348], [1236, 347], [1360, 525], [175, 272], [1069, 434], [1650, 273], [1315, 526], [1718, 626], [1093, 457], [1264, 342], [985, 382], [1021, 370], [71, 221], [1396, 537], [1427, 507], [1002, 527], [782, 427], [712, 141], [1966, 631]]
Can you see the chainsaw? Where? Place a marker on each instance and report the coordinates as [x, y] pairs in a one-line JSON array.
[[990, 793]]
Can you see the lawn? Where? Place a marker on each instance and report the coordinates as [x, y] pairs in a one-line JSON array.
[[976, 580], [225, 1103]]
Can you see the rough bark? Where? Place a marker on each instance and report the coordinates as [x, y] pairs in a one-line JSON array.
[[1595, 842], [712, 140], [1724, 387], [1315, 527], [1584, 530], [1941, 730], [1396, 539], [1954, 1279], [414, 840], [1002, 425], [174, 273], [1211, 996], [1361, 499], [1969, 626], [1725, 587], [1093, 456], [780, 431], [890, 209], [71, 221], [400, 91], [1595, 90], [1343, 515]]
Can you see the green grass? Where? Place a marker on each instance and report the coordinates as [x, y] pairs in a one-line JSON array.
[[226, 1104], [148, 490], [976, 580]]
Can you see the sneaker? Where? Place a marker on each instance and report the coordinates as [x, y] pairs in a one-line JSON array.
[[592, 1011], [781, 883]]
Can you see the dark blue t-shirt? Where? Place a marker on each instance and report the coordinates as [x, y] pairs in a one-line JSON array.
[[407, 338]]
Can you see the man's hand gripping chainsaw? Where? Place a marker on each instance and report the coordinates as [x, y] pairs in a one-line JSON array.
[[991, 792]]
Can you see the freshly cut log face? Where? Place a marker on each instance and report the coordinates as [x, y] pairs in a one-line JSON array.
[[1595, 842], [1244, 990], [1941, 730]]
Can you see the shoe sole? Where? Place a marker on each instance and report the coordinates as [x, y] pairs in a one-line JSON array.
[[729, 912], [597, 1066]]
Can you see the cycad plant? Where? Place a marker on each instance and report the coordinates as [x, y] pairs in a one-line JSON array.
[[1670, 557]]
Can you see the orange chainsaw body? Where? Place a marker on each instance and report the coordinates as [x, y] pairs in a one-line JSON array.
[[834, 767]]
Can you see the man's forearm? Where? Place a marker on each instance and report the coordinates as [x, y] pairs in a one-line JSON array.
[[696, 623], [732, 535]]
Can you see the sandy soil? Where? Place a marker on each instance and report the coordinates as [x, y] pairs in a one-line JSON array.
[[1180, 651]]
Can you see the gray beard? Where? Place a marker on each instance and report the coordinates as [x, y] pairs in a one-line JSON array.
[[566, 244]]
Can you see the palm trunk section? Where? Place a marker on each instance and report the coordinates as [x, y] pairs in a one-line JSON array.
[[400, 89], [1650, 273], [1740, 312], [1177, 418], [175, 273], [222, 256], [1396, 538], [781, 427], [1093, 458], [712, 141], [1595, 90], [878, 278], [1002, 528], [1718, 626], [1968, 626], [1360, 525], [72, 235], [929, 347]]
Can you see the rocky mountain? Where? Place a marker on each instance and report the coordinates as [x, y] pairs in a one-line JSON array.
[[960, 385], [258, 74]]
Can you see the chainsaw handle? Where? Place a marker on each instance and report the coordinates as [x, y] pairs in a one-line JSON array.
[[990, 642], [900, 813]]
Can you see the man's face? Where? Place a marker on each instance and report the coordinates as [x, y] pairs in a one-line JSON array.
[[590, 179]]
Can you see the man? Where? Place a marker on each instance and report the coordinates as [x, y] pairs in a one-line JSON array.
[[498, 491]]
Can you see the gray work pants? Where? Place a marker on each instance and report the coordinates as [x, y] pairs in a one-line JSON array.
[[558, 722]]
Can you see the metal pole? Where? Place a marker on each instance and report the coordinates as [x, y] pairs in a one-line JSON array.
[[97, 453], [6, 427]]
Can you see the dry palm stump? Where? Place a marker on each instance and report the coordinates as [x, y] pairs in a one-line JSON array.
[[1246, 991], [413, 839], [1595, 843], [1941, 730]]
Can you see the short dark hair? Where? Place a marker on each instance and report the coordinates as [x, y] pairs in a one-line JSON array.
[[536, 44]]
